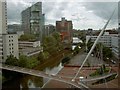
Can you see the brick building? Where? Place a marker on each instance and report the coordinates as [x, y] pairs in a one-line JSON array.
[[65, 28]]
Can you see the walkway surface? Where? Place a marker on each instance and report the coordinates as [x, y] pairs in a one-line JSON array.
[[70, 72]]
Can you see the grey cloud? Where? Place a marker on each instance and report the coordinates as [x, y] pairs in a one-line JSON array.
[[102, 9], [48, 7], [14, 11], [59, 12]]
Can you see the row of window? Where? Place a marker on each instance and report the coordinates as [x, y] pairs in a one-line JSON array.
[[10, 40], [10, 36], [11, 44]]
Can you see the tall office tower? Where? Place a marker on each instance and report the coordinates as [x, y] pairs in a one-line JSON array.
[[65, 28], [33, 19], [3, 26]]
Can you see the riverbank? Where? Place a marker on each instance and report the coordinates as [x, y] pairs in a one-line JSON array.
[[71, 69], [70, 72], [51, 65]]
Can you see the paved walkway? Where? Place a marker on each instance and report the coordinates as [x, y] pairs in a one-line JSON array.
[[79, 58]]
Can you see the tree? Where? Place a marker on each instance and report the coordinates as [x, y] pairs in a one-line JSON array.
[[56, 35], [49, 44], [89, 45], [107, 53], [42, 56], [27, 37], [32, 62], [77, 49], [11, 60], [23, 60]]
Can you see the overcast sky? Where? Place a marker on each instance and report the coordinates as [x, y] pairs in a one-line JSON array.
[[84, 14]]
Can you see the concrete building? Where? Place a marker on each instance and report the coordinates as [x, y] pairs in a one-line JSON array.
[[106, 40], [29, 48], [33, 19], [109, 40], [3, 17], [115, 46], [65, 28], [28, 44], [76, 40], [49, 29], [11, 45], [8, 42], [3, 27]]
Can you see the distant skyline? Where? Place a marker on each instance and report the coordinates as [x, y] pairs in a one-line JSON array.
[[83, 14]]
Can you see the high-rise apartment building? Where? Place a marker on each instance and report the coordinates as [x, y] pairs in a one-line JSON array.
[[65, 28], [8, 42], [3, 26], [33, 19]]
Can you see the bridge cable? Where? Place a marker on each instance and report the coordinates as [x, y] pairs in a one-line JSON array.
[[94, 45]]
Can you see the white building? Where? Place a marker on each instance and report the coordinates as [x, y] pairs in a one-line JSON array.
[[11, 46], [109, 40], [3, 27], [28, 44], [8, 42], [115, 46], [106, 40], [77, 40]]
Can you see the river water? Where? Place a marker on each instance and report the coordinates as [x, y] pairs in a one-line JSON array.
[[52, 66], [27, 81]]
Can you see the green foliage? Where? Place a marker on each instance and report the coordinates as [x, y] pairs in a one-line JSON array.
[[32, 62], [105, 80], [27, 37], [52, 43], [76, 50], [11, 60], [28, 62], [23, 61], [49, 44], [65, 59], [100, 71], [42, 56], [89, 45], [107, 53]]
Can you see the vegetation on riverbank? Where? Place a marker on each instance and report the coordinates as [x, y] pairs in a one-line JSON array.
[[105, 80], [102, 70]]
